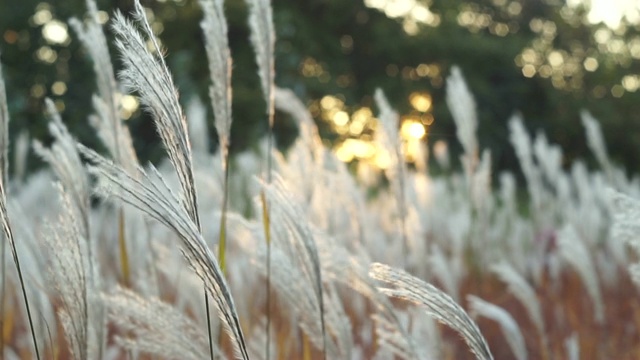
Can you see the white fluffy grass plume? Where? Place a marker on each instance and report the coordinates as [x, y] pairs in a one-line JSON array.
[[438, 304], [149, 76], [153, 196], [214, 27], [510, 329]]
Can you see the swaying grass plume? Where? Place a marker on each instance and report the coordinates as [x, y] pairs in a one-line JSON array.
[[287, 101], [524, 292], [396, 173], [463, 109], [4, 127], [510, 329], [81, 316], [198, 129], [75, 280], [351, 270], [153, 196], [214, 27], [300, 238], [65, 161], [263, 39], [153, 327], [106, 120], [149, 76], [626, 226], [21, 153], [595, 139], [113, 133], [574, 251], [438, 304]]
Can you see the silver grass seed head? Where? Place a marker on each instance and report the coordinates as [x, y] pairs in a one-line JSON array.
[[152, 195], [510, 328], [438, 304], [150, 77], [4, 129], [463, 109], [214, 27], [263, 38]]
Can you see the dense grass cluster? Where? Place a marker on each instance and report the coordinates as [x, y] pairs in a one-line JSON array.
[[281, 256]]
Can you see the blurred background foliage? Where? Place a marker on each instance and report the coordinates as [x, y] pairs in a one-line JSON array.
[[546, 59]]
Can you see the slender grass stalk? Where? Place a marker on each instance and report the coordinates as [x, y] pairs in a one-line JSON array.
[[2, 292], [214, 27], [9, 235], [263, 41], [4, 167]]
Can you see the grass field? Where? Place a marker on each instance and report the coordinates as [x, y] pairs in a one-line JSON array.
[[298, 255]]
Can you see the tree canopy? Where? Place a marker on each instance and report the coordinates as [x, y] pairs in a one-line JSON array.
[[543, 59]]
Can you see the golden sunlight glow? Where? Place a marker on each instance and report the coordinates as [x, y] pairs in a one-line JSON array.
[[412, 11], [59, 88], [329, 102], [363, 115], [55, 32], [420, 101], [46, 54], [340, 118], [590, 64], [412, 129], [528, 70], [129, 105], [555, 59], [631, 83], [360, 149], [42, 15], [356, 128], [382, 159], [610, 12], [351, 149], [412, 150], [343, 153]]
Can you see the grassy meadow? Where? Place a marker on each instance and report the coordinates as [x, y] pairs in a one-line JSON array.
[[298, 255]]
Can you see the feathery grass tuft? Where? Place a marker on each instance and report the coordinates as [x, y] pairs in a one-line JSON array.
[[301, 241], [153, 196], [438, 304], [392, 142], [510, 329], [149, 76], [153, 327], [74, 278], [65, 161]]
